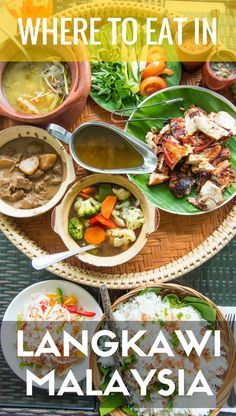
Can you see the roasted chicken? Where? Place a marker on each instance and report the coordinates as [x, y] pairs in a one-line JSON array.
[[193, 155]]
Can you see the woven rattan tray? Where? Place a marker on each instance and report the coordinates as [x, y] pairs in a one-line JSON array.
[[180, 245]]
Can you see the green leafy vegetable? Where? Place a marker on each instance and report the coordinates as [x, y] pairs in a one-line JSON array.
[[59, 294], [106, 377], [105, 189], [19, 322], [114, 82], [206, 311], [110, 403], [174, 340], [203, 307]]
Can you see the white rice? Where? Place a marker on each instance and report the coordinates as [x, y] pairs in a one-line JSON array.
[[151, 307]]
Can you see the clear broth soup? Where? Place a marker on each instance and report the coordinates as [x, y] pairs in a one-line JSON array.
[[36, 87]]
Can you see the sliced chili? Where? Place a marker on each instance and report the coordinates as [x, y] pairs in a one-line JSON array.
[[73, 309]]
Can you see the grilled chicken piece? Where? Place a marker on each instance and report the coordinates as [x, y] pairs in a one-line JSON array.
[[190, 125], [203, 166], [180, 183], [209, 197], [181, 187], [223, 175], [156, 178], [224, 120], [225, 179], [203, 161], [161, 165], [177, 128], [221, 166], [154, 139], [210, 128], [224, 155], [174, 151]]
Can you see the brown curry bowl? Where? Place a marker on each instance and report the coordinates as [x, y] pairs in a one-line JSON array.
[[29, 133], [70, 109], [210, 79], [60, 218]]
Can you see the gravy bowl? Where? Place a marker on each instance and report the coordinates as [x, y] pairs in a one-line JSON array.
[[149, 159], [61, 214], [68, 173]]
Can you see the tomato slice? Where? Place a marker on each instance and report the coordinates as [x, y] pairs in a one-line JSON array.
[[157, 48], [156, 57], [155, 68], [156, 53], [152, 84], [167, 71]]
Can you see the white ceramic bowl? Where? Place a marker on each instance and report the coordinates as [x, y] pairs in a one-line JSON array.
[[29, 132], [8, 329], [61, 214]]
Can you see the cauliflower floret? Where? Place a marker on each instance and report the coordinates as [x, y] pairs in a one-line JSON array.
[[87, 208], [121, 236], [121, 193], [133, 217], [117, 218], [121, 205], [75, 228]]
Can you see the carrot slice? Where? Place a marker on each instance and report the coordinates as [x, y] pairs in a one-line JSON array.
[[87, 191], [94, 235], [108, 205]]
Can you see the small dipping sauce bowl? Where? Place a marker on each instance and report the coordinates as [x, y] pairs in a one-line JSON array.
[[210, 78], [192, 56], [102, 148]]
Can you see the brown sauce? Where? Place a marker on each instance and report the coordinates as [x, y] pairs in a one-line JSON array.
[[103, 149], [35, 188]]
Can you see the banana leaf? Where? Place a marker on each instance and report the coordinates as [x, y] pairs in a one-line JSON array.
[[160, 195]]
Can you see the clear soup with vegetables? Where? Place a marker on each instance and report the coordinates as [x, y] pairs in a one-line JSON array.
[[36, 87], [107, 216]]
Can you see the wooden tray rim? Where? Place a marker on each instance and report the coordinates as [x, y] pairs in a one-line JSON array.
[[199, 255]]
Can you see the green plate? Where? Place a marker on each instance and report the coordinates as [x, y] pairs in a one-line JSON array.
[[209, 101], [112, 106]]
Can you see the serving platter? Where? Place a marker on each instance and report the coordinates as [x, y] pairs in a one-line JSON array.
[[181, 243]]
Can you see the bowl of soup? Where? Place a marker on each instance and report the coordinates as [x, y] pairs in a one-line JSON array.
[[35, 171], [191, 54], [109, 212], [38, 92], [219, 71]]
